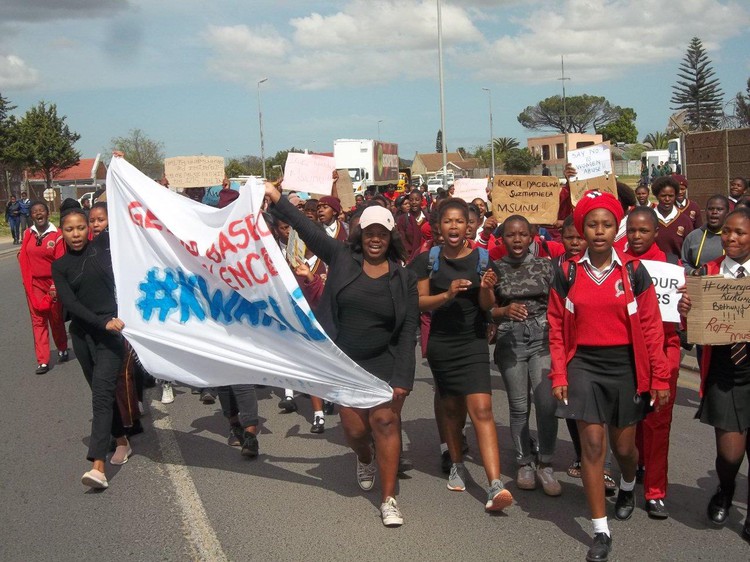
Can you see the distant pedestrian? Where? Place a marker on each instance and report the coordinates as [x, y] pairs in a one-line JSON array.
[[25, 202], [13, 218]]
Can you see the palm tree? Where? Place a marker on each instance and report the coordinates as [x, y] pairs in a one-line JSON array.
[[503, 145], [657, 140]]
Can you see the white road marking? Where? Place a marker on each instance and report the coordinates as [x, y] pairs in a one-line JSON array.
[[200, 534]]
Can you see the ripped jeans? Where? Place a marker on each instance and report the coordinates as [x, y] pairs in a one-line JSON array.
[[522, 356]]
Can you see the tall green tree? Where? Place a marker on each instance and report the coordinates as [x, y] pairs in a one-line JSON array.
[[742, 104], [503, 145], [142, 152], [520, 161], [621, 129], [439, 141], [44, 143], [578, 115], [697, 89]]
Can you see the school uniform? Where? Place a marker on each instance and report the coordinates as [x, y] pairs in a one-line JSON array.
[[38, 251], [410, 228], [673, 229], [606, 340], [725, 385], [701, 247], [692, 210], [336, 230]]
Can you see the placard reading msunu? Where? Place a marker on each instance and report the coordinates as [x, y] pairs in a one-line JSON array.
[[535, 197]]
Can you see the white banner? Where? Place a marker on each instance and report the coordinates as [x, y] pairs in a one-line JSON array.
[[469, 189], [312, 173], [666, 278], [208, 300]]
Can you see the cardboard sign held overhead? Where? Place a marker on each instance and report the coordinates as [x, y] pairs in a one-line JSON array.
[[469, 189], [345, 190], [720, 312], [535, 197], [311, 173], [593, 166], [193, 171]]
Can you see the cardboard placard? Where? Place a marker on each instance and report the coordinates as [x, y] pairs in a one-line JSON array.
[[345, 190], [295, 249], [469, 189], [667, 278], [593, 166], [720, 312], [312, 173], [535, 197], [193, 171]]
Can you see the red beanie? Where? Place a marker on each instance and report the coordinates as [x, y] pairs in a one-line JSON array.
[[332, 202], [596, 200], [679, 178]]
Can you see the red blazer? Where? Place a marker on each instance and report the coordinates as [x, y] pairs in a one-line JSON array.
[[646, 331], [53, 247]]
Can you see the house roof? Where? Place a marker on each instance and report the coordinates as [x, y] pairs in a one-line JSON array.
[[84, 170], [434, 160]]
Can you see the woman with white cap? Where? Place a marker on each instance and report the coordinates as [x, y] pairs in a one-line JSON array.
[[370, 309]]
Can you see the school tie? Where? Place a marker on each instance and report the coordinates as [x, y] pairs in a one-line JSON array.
[[738, 351]]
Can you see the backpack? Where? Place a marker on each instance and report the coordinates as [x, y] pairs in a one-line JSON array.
[[433, 263]]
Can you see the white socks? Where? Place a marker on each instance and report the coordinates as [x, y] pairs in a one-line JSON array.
[[288, 393], [600, 526], [443, 447], [627, 486], [318, 414]]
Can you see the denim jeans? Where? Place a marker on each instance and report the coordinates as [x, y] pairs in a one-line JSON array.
[[239, 400], [522, 355]]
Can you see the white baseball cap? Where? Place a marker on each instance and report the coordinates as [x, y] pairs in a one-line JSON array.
[[376, 214]]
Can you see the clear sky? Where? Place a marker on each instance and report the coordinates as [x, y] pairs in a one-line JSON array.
[[186, 71]]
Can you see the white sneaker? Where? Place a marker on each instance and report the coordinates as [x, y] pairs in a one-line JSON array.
[[390, 513], [366, 474], [550, 485], [141, 411], [167, 394]]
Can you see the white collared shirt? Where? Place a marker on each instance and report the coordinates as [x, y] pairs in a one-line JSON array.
[[332, 229], [729, 268], [670, 217], [50, 228], [615, 260]]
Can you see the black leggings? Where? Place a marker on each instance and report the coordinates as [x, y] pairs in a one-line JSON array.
[[731, 448], [101, 356]]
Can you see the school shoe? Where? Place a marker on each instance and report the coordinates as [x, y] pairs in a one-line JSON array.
[[498, 498], [207, 398], [656, 509], [526, 478], [328, 407], [42, 368], [718, 507], [639, 474], [624, 505], [95, 479], [366, 473], [390, 513], [288, 404], [249, 445], [457, 477], [318, 425], [167, 393], [235, 435], [62, 356], [600, 549], [550, 485]]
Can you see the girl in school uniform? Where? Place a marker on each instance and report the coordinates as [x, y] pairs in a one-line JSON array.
[[725, 377], [608, 364]]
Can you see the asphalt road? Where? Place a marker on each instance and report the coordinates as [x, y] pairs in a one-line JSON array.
[[186, 495]]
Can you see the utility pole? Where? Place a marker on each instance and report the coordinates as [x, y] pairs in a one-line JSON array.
[[492, 136], [565, 112], [442, 91]]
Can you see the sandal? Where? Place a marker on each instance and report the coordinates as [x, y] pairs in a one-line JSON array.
[[610, 486], [574, 470]]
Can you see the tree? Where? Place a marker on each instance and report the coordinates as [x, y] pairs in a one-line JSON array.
[[621, 129], [43, 142], [656, 140], [742, 103], [503, 145], [697, 90], [581, 113], [236, 168], [145, 154], [439, 141], [520, 161]]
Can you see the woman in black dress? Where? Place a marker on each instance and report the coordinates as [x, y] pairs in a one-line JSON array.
[[452, 286], [369, 308], [85, 285]]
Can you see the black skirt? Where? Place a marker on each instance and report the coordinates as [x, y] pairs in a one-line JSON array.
[[602, 387], [460, 364], [726, 393]]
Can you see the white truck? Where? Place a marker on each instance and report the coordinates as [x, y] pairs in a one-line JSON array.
[[369, 162]]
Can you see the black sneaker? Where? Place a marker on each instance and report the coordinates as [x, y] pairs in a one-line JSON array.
[[288, 404], [624, 505], [656, 509], [328, 407], [445, 462], [319, 425], [42, 368], [62, 356], [639, 472], [236, 435], [249, 445], [207, 398], [600, 549]]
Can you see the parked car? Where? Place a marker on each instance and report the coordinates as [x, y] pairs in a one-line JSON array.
[[434, 184]]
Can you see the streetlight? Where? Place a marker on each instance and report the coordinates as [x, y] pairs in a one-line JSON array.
[[442, 92], [260, 122], [563, 78], [379, 122], [492, 138]]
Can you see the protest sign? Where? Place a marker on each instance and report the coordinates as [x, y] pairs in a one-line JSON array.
[[535, 197], [593, 166], [666, 277], [345, 190], [469, 189], [312, 173], [720, 312], [193, 171], [208, 300]]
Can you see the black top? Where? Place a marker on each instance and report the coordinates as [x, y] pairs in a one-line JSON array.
[[85, 283], [462, 314], [366, 317], [344, 267], [526, 283]]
